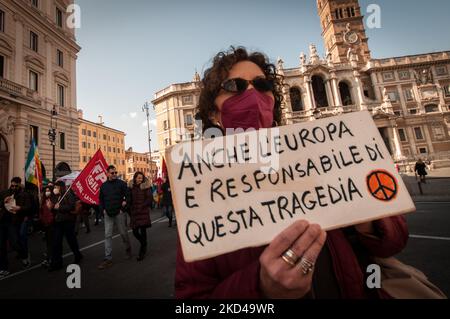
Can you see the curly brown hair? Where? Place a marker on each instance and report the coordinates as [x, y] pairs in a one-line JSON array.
[[218, 72]]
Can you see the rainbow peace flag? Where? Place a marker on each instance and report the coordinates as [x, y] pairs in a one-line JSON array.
[[33, 167]]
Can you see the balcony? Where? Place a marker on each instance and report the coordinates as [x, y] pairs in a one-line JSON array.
[[19, 93]]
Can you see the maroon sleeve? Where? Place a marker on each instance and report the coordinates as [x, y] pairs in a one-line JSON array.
[[203, 280], [390, 239]]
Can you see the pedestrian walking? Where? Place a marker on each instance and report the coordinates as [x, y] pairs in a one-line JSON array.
[[420, 169], [63, 208], [47, 220], [83, 213], [167, 200], [139, 209], [113, 201]]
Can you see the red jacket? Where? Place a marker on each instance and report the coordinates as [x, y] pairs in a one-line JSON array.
[[236, 275], [46, 215]]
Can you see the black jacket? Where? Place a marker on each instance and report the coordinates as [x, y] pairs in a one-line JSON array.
[[23, 200], [112, 194], [66, 211]]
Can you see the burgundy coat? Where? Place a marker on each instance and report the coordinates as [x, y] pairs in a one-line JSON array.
[[141, 200], [236, 275]]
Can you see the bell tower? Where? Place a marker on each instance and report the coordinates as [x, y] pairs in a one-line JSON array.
[[343, 30]]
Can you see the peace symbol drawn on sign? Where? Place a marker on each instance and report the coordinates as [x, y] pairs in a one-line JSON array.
[[382, 185]]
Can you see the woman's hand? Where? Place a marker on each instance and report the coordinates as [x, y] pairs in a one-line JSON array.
[[280, 280]]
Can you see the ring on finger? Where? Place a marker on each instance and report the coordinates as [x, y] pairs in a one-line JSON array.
[[290, 257], [306, 265]]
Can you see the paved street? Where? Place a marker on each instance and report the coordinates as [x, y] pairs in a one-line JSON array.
[[428, 250]]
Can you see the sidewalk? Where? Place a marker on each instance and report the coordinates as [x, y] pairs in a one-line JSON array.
[[436, 189]]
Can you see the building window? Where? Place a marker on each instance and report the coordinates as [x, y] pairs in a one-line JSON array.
[[409, 95], [393, 96], [402, 134], [60, 58], [114, 149], [84, 159], [166, 141], [34, 79], [423, 150], [296, 99], [418, 133], [62, 141], [104, 137], [413, 111], [83, 144], [388, 76], [447, 90], [2, 21], [34, 134], [61, 99], [189, 119], [89, 132], [431, 108], [59, 18], [83, 131], [94, 134], [34, 41], [89, 145], [438, 132], [166, 125], [187, 100], [35, 3], [441, 70], [404, 75], [2, 66], [398, 113], [109, 149]]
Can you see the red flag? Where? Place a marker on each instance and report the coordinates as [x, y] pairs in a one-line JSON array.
[[87, 185]]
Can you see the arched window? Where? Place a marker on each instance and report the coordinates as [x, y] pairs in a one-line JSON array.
[[296, 99], [431, 108], [346, 96], [320, 93], [348, 13], [62, 169]]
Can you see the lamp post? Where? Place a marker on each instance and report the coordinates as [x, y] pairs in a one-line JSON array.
[[52, 139], [146, 109]]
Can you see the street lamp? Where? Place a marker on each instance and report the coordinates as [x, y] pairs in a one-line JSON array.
[[52, 138], [146, 109]]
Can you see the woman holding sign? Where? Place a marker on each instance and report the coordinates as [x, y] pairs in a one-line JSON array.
[[242, 90]]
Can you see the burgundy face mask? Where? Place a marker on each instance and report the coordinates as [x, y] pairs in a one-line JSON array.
[[251, 109]]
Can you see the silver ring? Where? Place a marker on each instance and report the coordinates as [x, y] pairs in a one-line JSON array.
[[305, 265]]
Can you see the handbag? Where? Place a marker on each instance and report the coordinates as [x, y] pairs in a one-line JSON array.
[[401, 281]]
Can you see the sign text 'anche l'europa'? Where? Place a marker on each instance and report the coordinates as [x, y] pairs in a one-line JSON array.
[[243, 189]]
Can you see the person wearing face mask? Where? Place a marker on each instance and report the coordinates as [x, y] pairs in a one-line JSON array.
[[14, 206], [63, 208], [47, 219], [242, 91]]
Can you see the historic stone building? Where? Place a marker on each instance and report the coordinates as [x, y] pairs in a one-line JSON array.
[[409, 97], [139, 162], [38, 55], [97, 136]]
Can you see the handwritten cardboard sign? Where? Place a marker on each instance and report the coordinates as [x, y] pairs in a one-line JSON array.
[[242, 190]]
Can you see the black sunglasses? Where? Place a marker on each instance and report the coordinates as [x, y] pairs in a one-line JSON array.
[[239, 85], [113, 173]]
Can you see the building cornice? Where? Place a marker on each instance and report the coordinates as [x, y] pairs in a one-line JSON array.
[[100, 126]]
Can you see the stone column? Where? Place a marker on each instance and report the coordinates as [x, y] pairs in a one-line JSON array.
[[309, 93], [396, 141], [359, 91], [376, 87], [330, 97], [337, 95], [428, 138], [19, 148], [402, 99], [18, 61], [442, 105], [418, 98], [411, 140]]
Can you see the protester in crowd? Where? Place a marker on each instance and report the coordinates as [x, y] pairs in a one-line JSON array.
[[242, 90], [166, 201], [63, 208], [113, 202], [47, 220], [28, 222], [15, 205], [420, 169], [98, 215], [83, 213], [139, 209]]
